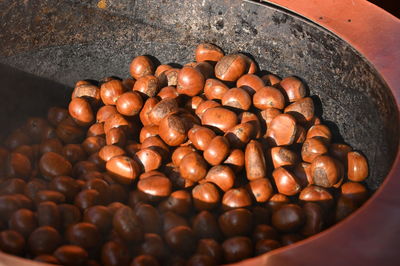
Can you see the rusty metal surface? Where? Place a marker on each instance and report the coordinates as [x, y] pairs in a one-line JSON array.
[[64, 41]]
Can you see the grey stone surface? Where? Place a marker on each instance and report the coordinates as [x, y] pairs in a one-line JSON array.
[[65, 41]]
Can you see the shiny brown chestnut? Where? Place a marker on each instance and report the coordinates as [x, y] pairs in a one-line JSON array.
[[141, 66], [255, 161], [100, 216], [172, 130], [12, 242], [208, 52], [282, 130], [318, 195], [236, 222], [110, 151], [179, 153], [114, 253], [180, 202], [288, 218], [237, 98], [23, 221], [158, 144], [149, 217], [250, 82], [314, 220], [205, 196], [205, 225], [276, 201], [271, 79], [303, 174], [66, 185], [105, 112], [252, 119], [222, 176], [237, 248], [56, 114], [44, 240], [339, 151], [52, 164], [357, 166], [172, 76], [204, 106], [313, 147], [18, 165], [215, 89], [149, 159], [123, 169], [148, 131], [266, 245], [83, 234], [127, 225], [93, 144], [236, 160], [241, 134], [268, 115], [161, 69], [168, 92], [193, 167], [162, 109], [129, 103], [148, 86], [87, 198], [181, 239], [153, 245], [260, 189], [217, 150], [354, 191], [286, 182], [321, 132], [268, 97], [220, 118], [294, 88], [70, 255], [231, 67], [325, 171], [302, 110], [115, 121], [111, 91], [282, 156], [236, 198], [155, 188], [144, 260], [190, 81], [264, 231], [200, 137]]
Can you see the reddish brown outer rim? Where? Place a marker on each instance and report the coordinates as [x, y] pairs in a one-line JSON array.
[[368, 237], [371, 235]]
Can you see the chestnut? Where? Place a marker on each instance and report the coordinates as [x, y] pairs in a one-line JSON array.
[[193, 167], [162, 109], [172, 130], [56, 114], [237, 248], [23, 221], [172, 220], [276, 201], [314, 221], [123, 168], [211, 248], [161, 69], [127, 225], [237, 98], [70, 255], [44, 240], [194, 102], [271, 79], [129, 103], [282, 156], [172, 76], [204, 106], [325, 171], [148, 86], [286, 182], [83, 234], [344, 207], [205, 225], [149, 218], [288, 218], [264, 231], [54, 145], [318, 195], [148, 131], [222, 176], [144, 260], [339, 151], [93, 144], [66, 185], [179, 153], [100, 216], [153, 245], [114, 253], [12, 242], [251, 83], [252, 119], [282, 130], [111, 91], [157, 144], [181, 239], [168, 92], [260, 189], [235, 160], [231, 67], [141, 66], [255, 161], [236, 198], [190, 81], [199, 259], [205, 196], [313, 147], [215, 89], [266, 245], [241, 134], [87, 198], [200, 137], [105, 112], [236, 222], [303, 174], [220, 118], [217, 150], [155, 187], [149, 159], [294, 88], [110, 151], [354, 191], [302, 110], [357, 166], [268, 115], [52, 164], [17, 165], [179, 201], [321, 132], [208, 52], [49, 259], [268, 97]]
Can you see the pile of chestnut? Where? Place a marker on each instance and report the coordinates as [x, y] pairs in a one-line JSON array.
[[205, 164]]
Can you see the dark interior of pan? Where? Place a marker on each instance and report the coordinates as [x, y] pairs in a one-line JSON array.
[[47, 46]]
